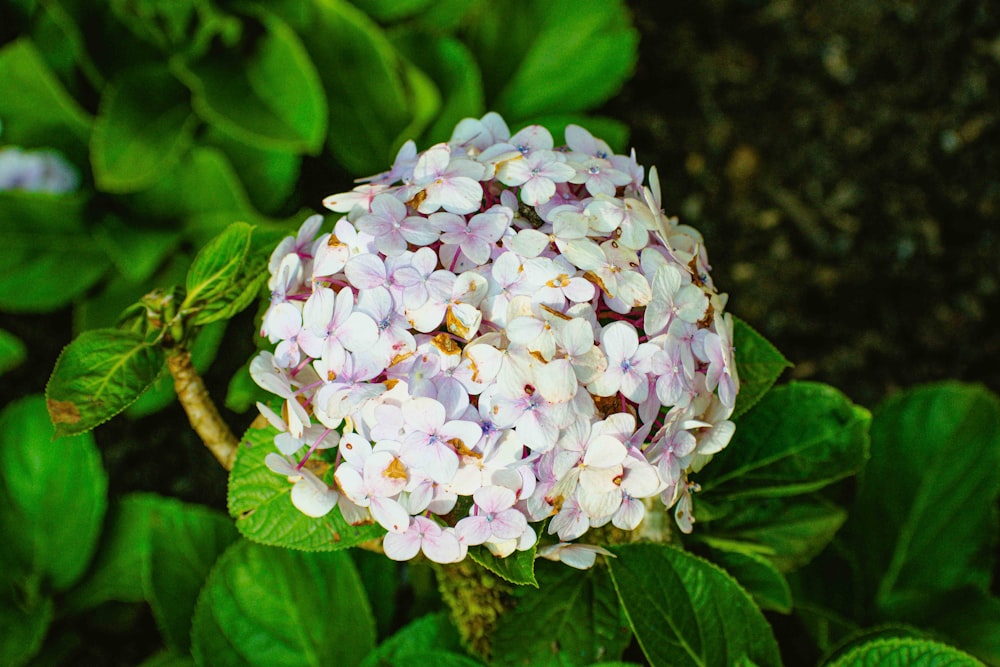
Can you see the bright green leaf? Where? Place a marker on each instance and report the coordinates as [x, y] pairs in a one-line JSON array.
[[12, 351], [97, 376], [925, 517], [517, 568], [266, 606], [433, 632], [904, 652], [388, 11], [269, 176], [36, 110], [260, 501], [143, 126], [270, 96], [185, 541], [573, 613], [758, 364], [552, 57], [218, 265], [686, 611], [53, 495], [758, 576], [800, 437], [789, 532]]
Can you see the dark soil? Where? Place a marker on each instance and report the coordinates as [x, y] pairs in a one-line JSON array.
[[842, 160]]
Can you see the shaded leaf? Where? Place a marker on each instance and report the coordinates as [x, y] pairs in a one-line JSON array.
[[12, 351], [971, 622], [260, 502], [381, 577], [925, 517], [433, 632], [801, 437], [904, 652], [686, 611], [517, 568], [97, 376], [143, 126], [758, 576], [53, 496], [136, 252], [573, 616], [758, 363], [269, 176], [269, 94], [392, 10], [24, 627], [267, 606]]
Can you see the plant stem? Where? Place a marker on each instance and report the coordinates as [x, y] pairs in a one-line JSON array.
[[201, 411]]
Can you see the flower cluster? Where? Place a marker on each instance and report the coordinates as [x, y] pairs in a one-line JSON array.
[[36, 171], [496, 333]]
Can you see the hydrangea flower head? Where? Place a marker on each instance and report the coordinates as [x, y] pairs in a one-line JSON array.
[[499, 338]]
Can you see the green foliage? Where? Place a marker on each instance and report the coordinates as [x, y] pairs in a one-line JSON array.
[[97, 376], [579, 611], [759, 577], [267, 606], [432, 634], [758, 363], [517, 568], [12, 351], [260, 502], [904, 652], [686, 611]]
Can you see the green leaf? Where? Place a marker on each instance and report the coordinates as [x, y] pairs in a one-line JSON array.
[[800, 437], [925, 518], [13, 352], [517, 568], [269, 176], [24, 627], [35, 108], [371, 102], [260, 502], [971, 622], [789, 532], [269, 94], [217, 266], [168, 659], [572, 613], [143, 126], [453, 68], [433, 632], [121, 564], [97, 376], [242, 392], [904, 652], [266, 606], [758, 576], [686, 611], [53, 495], [136, 252], [381, 577], [559, 56], [50, 257], [388, 11], [758, 363], [185, 542]]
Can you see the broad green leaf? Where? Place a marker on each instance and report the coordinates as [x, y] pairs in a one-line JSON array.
[[50, 258], [260, 501], [161, 393], [868, 635], [971, 622], [269, 95], [553, 57], [433, 632], [904, 652], [185, 541], [925, 516], [573, 613], [202, 183], [177, 25], [612, 131], [269, 176], [97, 376], [424, 100], [453, 68], [517, 568], [53, 495], [36, 110], [758, 364], [267, 606], [686, 611], [24, 627], [370, 104], [143, 126], [168, 659], [800, 437], [789, 532], [433, 657], [381, 577], [218, 265], [120, 567], [12, 351], [388, 11], [137, 252], [758, 576]]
